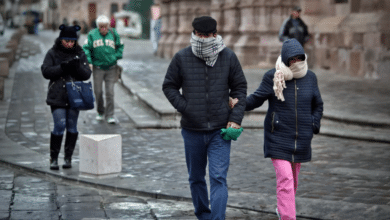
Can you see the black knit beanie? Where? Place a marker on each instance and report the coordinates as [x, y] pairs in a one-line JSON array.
[[69, 32], [205, 25]]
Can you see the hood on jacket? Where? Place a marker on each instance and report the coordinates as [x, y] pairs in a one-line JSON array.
[[291, 48]]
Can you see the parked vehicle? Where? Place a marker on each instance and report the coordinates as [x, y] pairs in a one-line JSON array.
[[128, 24]]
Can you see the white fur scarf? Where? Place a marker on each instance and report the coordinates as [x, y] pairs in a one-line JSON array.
[[284, 73]]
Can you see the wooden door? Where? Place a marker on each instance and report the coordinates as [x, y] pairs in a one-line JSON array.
[[92, 14]]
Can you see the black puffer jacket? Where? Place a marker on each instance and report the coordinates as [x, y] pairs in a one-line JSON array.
[[289, 31], [51, 69], [204, 102]]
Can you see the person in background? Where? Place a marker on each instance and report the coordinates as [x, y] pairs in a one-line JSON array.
[[294, 27], [64, 62], [155, 26], [112, 21], [65, 21], [103, 48], [207, 73]]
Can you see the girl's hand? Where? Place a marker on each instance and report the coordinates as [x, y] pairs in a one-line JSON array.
[[233, 125], [232, 102]]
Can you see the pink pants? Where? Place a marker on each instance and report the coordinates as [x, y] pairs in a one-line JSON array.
[[286, 187]]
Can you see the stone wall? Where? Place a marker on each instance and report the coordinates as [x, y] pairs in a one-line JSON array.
[[348, 38], [79, 10]]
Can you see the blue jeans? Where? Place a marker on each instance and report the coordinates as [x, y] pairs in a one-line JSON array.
[[64, 118], [200, 145]]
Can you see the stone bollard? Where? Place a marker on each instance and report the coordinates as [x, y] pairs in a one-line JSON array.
[[100, 154], [9, 54], [4, 67]]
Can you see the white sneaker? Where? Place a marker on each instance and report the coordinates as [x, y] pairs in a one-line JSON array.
[[99, 117], [111, 121], [277, 213]]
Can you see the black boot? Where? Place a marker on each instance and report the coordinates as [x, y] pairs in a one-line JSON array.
[[70, 143], [55, 147]]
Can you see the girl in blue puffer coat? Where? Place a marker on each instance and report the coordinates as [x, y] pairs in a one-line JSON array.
[[293, 116]]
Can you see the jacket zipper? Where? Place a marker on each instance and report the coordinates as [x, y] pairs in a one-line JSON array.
[[51, 85], [207, 97], [273, 121], [296, 119]]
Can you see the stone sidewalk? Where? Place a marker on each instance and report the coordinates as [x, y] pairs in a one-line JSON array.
[[354, 108], [347, 179]]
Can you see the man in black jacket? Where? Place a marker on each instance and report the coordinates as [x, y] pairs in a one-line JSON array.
[[208, 73], [294, 27]]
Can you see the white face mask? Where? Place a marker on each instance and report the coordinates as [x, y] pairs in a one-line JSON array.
[[299, 69]]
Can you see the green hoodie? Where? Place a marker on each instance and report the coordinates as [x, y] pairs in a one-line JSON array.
[[100, 50]]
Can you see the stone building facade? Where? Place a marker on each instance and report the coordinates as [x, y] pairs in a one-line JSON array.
[[80, 10], [347, 36]]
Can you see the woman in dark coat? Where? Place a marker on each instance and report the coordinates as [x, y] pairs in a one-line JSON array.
[[293, 116], [64, 62]]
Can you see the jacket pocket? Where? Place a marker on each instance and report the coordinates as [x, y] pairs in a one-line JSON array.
[[275, 122], [316, 128]]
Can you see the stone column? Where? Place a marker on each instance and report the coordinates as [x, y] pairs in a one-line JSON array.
[[164, 28], [217, 13], [271, 16], [188, 10], [231, 22], [172, 29], [247, 47]]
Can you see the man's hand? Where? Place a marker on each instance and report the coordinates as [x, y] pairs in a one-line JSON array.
[[233, 125], [232, 102]]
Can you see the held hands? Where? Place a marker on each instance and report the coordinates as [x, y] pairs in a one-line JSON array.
[[232, 102], [233, 125]]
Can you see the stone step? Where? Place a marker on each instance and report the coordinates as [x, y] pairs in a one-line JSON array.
[[147, 110], [139, 112]]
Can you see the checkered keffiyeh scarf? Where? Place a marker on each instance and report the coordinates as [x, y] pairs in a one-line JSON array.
[[207, 49]]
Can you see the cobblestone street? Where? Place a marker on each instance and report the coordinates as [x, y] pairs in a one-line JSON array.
[[347, 178]]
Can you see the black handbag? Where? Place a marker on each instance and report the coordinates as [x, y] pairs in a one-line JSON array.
[[80, 95]]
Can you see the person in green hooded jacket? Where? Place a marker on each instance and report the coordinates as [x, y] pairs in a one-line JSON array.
[[103, 49]]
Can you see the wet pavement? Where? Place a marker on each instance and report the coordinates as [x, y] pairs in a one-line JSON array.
[[27, 195], [347, 179]]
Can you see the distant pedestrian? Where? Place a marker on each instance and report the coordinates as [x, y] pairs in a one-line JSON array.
[[294, 113], [206, 72], [64, 62], [112, 21], [155, 26], [84, 28], [104, 48], [65, 22], [294, 27]]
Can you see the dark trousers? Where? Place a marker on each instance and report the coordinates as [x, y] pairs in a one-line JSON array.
[[200, 146]]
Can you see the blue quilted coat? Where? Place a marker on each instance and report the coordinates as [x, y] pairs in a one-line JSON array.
[[289, 126]]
